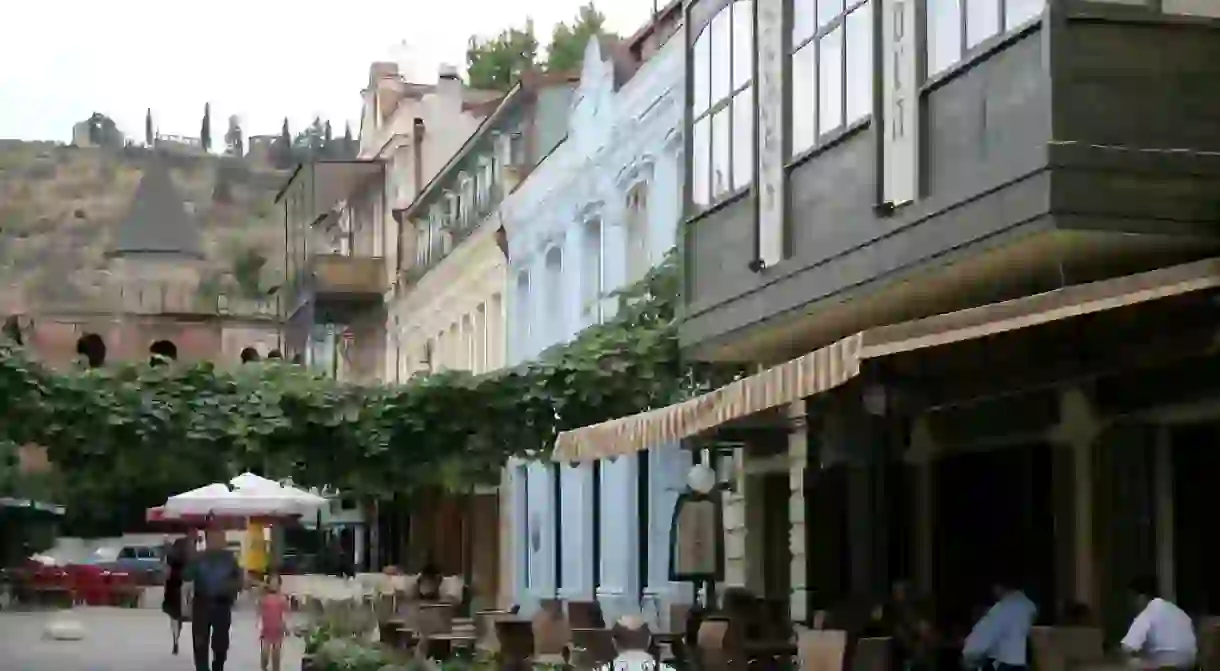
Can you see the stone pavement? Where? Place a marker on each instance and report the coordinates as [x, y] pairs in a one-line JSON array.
[[119, 639]]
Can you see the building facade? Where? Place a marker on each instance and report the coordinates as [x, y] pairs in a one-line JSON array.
[[595, 215], [954, 264], [448, 311], [342, 241]]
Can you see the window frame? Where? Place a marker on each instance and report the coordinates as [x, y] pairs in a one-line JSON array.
[[966, 51], [714, 107], [822, 138]]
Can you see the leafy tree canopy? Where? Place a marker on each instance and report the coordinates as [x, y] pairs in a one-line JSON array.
[[497, 63], [568, 40], [115, 433]]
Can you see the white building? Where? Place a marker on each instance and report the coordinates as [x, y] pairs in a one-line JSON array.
[[594, 216]]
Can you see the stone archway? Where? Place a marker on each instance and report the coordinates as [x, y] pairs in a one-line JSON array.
[[162, 352], [92, 347]]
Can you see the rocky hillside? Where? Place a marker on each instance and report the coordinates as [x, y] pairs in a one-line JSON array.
[[61, 205]]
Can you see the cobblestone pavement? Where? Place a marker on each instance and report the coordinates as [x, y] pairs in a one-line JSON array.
[[119, 639]]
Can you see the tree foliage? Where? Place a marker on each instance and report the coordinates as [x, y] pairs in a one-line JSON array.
[[103, 132], [497, 63], [205, 127], [114, 430], [568, 41], [149, 136]]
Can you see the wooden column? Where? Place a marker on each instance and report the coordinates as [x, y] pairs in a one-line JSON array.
[[1077, 432], [798, 462], [1162, 492], [920, 455]]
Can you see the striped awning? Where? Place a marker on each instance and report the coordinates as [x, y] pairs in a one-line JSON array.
[[835, 364], [802, 377]]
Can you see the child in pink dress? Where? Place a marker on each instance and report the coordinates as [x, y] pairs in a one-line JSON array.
[[272, 622]]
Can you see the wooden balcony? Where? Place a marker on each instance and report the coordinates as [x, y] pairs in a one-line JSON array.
[[343, 281]]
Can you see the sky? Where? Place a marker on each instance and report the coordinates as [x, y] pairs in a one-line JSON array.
[[62, 60]]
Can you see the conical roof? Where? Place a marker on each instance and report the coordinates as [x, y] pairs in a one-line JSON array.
[[157, 222]]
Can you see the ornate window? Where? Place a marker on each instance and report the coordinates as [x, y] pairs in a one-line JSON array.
[[831, 67], [722, 105], [486, 176], [957, 26], [638, 258], [466, 213], [591, 268]]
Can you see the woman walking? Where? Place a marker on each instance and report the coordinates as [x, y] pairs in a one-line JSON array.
[[176, 558]]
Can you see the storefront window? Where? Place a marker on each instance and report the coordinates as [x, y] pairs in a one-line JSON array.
[[831, 67], [722, 105], [957, 26]]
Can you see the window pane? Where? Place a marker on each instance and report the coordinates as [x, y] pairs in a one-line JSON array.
[[701, 71], [743, 43], [803, 98], [722, 134], [701, 144], [982, 20], [944, 34], [860, 63], [722, 55], [828, 10], [830, 81], [743, 139], [802, 21], [1017, 12]]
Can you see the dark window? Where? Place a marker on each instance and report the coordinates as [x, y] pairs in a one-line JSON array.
[[162, 352], [93, 349], [722, 105], [956, 26], [831, 67]]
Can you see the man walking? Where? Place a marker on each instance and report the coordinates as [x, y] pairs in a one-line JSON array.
[[217, 579], [1162, 636], [1000, 639]]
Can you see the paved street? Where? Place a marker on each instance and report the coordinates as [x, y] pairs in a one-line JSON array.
[[121, 640]]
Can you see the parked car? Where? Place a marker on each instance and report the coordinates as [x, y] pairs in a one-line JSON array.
[[144, 562]]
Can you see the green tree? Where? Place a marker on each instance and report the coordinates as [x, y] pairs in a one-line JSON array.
[[148, 128], [281, 150], [205, 130], [497, 63], [349, 145], [568, 40]]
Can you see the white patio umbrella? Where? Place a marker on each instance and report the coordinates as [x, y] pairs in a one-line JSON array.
[[300, 500], [217, 498]]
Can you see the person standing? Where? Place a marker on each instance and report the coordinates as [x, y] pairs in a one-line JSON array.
[[1001, 637], [177, 556], [632, 640], [272, 623], [1162, 636], [217, 580]]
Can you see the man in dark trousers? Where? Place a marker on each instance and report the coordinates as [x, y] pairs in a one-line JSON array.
[[217, 579]]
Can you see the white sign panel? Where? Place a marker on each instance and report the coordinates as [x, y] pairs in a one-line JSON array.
[[900, 102]]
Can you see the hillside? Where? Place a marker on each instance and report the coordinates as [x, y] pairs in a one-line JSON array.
[[61, 205]]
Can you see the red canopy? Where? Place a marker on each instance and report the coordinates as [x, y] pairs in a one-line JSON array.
[[157, 515]]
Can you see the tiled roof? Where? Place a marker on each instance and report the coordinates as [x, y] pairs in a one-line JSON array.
[[157, 221]]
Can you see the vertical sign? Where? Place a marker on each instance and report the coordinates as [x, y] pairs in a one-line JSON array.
[[900, 102], [769, 90]]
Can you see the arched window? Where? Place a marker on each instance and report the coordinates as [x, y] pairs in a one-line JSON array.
[[93, 349], [523, 316], [722, 105], [162, 352], [556, 324], [831, 68]]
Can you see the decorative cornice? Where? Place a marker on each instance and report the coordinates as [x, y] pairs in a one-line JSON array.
[[639, 169]]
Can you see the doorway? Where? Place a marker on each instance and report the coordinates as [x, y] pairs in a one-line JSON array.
[[993, 520]]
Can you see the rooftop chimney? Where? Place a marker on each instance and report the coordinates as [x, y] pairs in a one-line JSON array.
[[387, 85], [449, 84]]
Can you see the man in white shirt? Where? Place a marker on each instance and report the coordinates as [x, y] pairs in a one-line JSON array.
[[632, 639], [1001, 637], [1162, 635]]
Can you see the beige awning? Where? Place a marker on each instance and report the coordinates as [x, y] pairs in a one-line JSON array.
[[835, 364]]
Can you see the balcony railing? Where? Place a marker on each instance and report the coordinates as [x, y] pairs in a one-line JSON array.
[[338, 278]]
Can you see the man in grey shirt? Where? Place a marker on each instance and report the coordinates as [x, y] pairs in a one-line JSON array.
[[217, 579]]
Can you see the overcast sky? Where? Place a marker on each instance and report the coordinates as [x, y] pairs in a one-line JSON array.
[[61, 60]]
